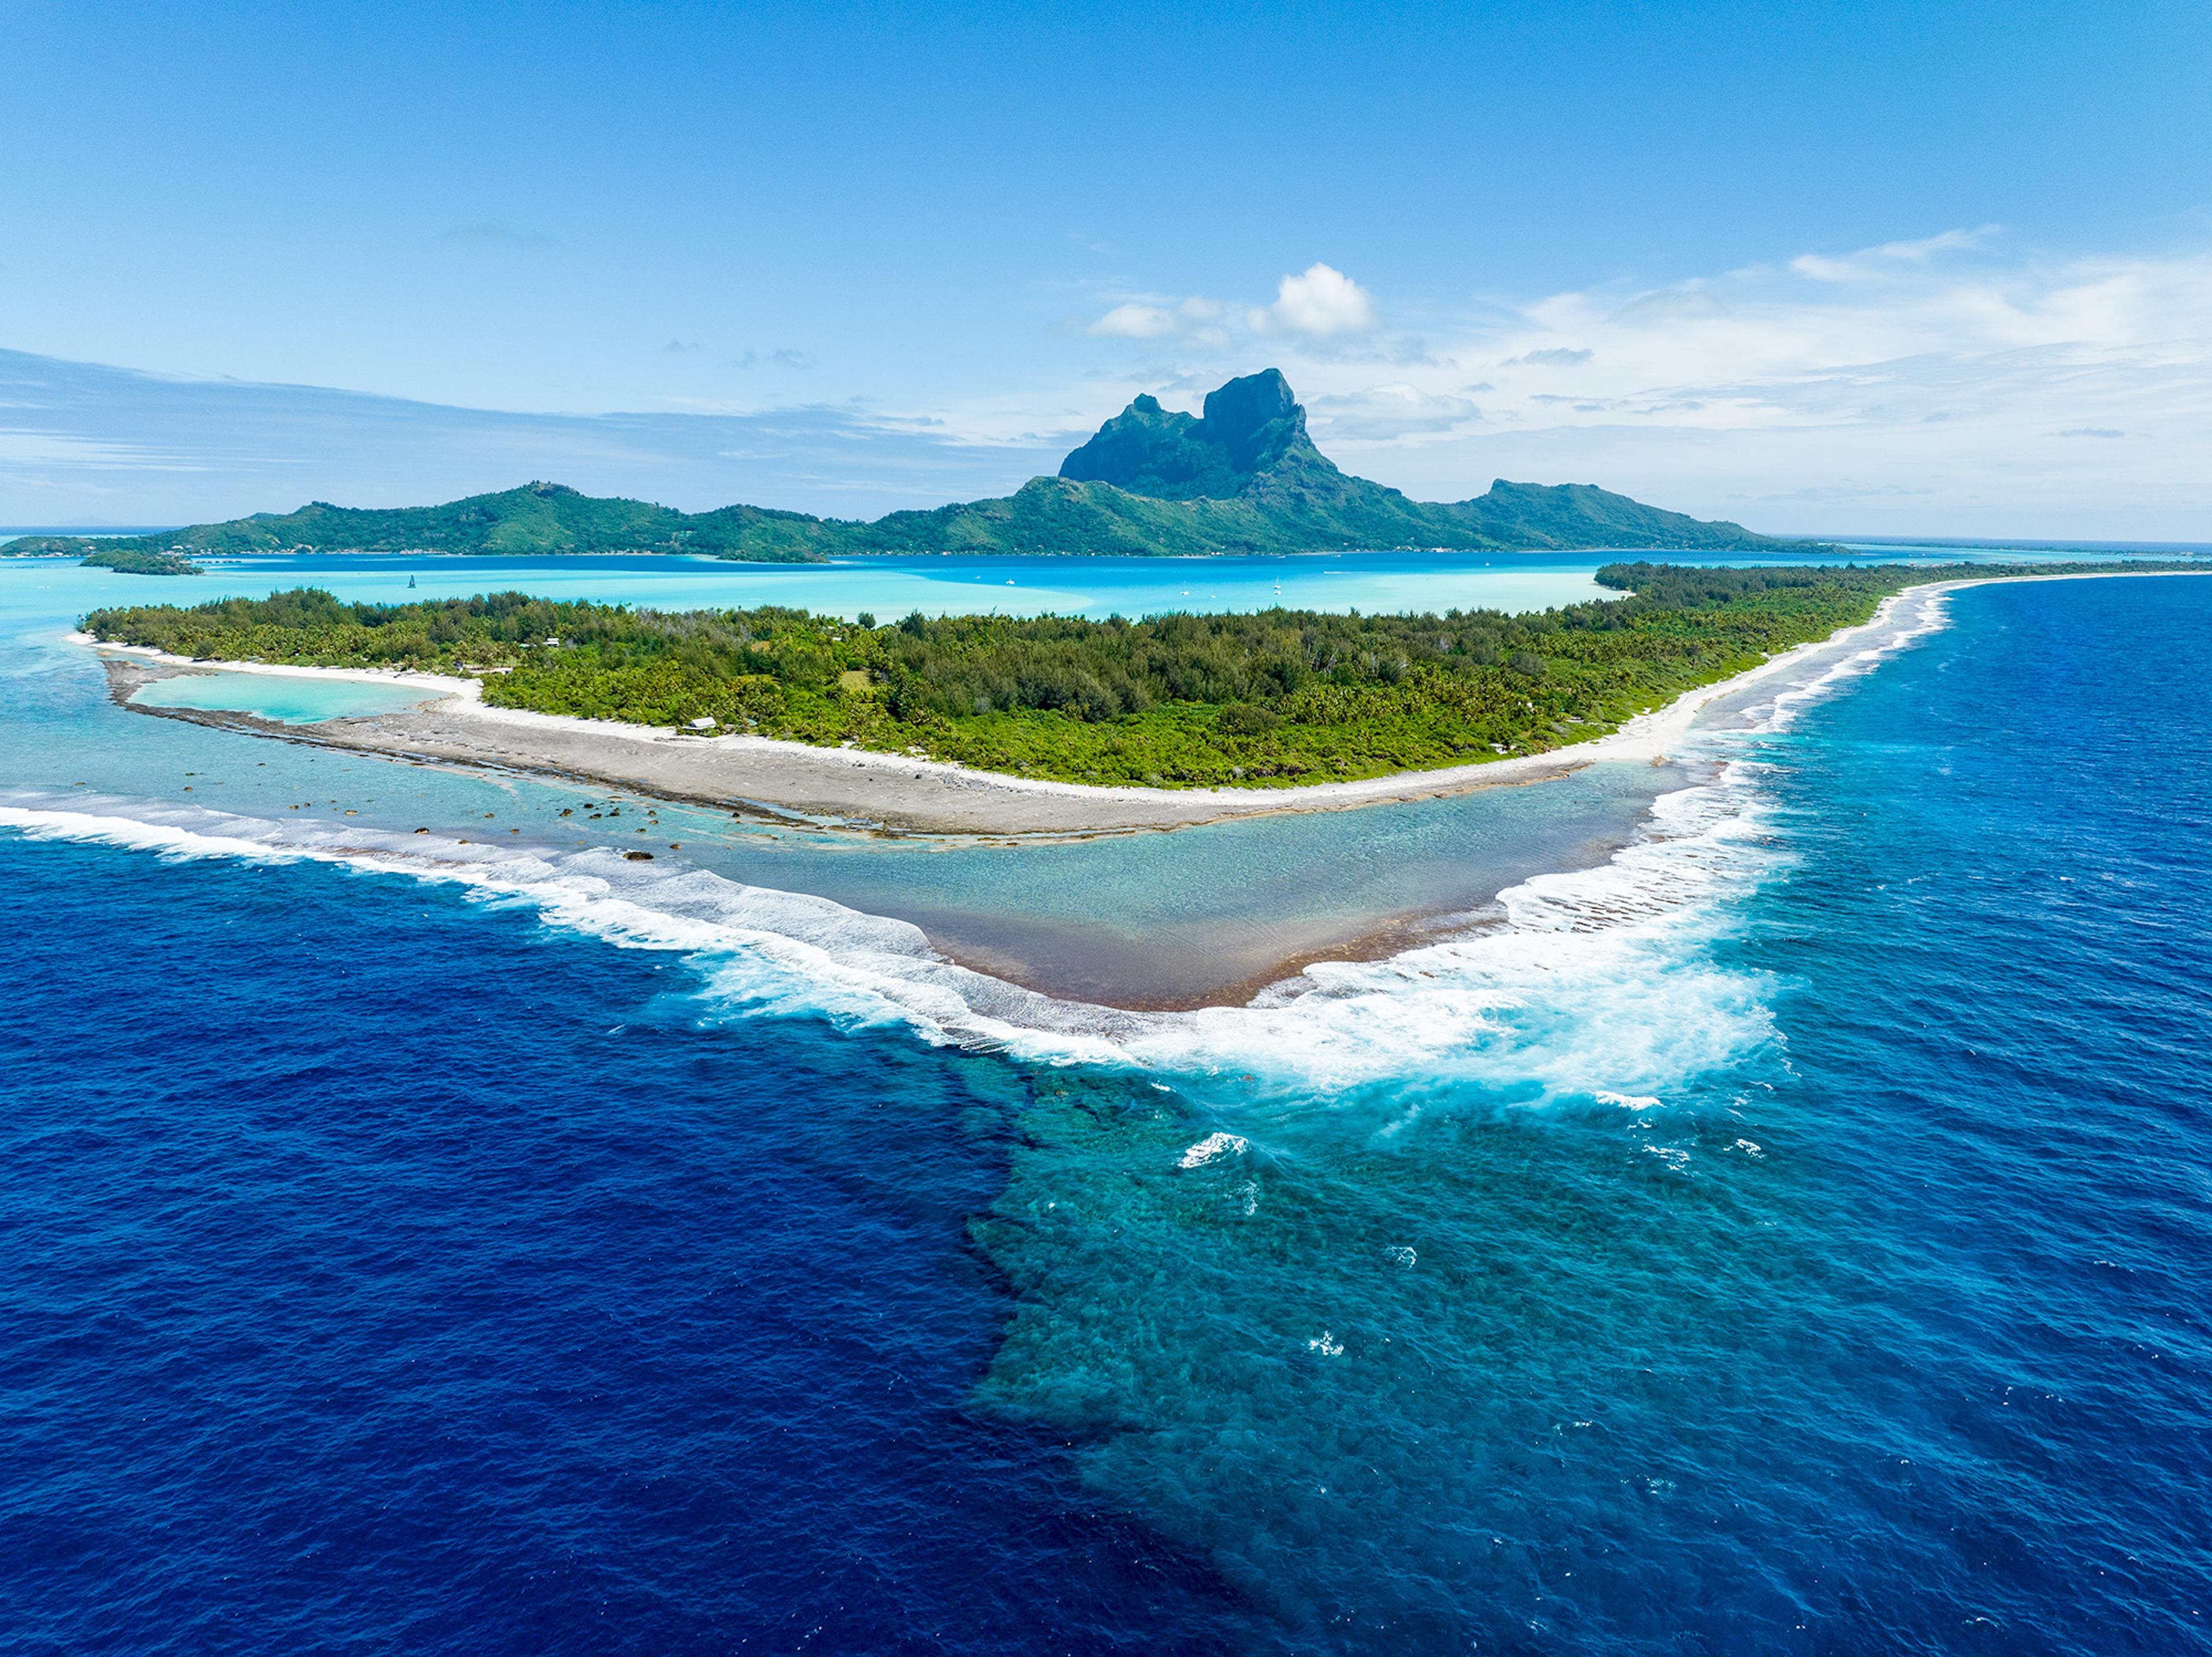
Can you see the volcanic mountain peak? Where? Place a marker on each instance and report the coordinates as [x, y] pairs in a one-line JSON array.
[[1242, 477], [1250, 425]]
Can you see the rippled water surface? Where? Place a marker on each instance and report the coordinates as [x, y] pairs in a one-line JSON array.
[[1788, 1236]]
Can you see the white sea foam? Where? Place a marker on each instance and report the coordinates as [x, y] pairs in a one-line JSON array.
[[1932, 615], [1596, 985], [1213, 1145], [1590, 985]]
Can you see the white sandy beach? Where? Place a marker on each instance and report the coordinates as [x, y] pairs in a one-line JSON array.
[[858, 788]]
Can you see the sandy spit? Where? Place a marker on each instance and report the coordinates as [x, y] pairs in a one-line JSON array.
[[854, 788]]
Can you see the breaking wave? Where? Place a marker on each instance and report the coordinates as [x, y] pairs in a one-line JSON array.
[[1597, 985], [1570, 965]]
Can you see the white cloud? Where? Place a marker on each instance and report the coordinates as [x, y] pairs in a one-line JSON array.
[[1133, 320], [1927, 398], [785, 357], [67, 450], [496, 232], [1322, 301], [1948, 385], [1196, 319], [84, 444], [1869, 263], [1316, 304], [1966, 388], [1393, 411]]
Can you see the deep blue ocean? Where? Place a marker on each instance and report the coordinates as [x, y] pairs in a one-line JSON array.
[[1794, 1235]]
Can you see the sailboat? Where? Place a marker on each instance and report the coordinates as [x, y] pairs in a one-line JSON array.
[[411, 583]]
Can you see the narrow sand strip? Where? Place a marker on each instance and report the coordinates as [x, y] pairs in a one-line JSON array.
[[853, 786]]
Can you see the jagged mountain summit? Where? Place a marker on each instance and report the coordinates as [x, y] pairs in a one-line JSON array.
[[1249, 426], [1244, 476], [1250, 447]]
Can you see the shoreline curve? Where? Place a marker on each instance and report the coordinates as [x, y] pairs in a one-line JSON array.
[[861, 789]]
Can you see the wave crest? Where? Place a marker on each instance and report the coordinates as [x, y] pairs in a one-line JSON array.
[[1599, 983]]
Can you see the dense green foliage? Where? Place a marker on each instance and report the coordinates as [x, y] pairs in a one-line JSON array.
[[538, 518], [137, 561], [1269, 699], [1246, 478]]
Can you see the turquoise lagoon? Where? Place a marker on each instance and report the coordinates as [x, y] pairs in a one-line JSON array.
[[947, 585], [283, 699]]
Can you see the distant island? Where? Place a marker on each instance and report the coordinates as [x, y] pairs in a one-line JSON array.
[[1243, 477], [137, 559]]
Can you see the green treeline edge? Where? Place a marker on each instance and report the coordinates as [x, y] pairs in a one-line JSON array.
[[1272, 699], [138, 561]]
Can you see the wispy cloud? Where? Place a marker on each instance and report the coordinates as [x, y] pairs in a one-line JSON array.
[[1952, 383], [1870, 264], [1391, 412], [786, 357], [81, 443], [1967, 385], [1946, 377], [493, 232], [36, 451], [1133, 320]]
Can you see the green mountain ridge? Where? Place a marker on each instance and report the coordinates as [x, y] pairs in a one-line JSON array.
[[1242, 477]]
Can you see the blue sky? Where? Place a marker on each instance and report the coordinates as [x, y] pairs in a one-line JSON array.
[[1868, 267]]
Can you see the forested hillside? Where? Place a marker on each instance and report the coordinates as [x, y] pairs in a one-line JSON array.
[[1244, 478]]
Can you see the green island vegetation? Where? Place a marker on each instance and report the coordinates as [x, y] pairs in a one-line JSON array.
[[1243, 477], [138, 561], [1264, 700]]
